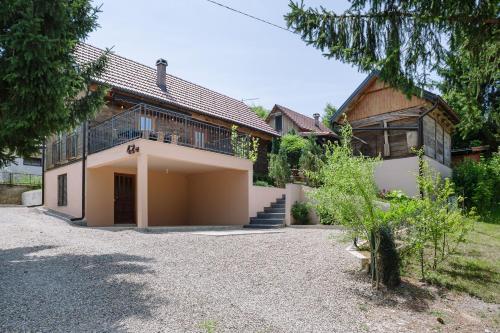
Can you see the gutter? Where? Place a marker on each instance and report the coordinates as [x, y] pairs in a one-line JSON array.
[[84, 159]]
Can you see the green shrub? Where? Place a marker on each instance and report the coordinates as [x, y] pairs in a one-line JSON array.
[[279, 170], [262, 183], [389, 258], [292, 145], [300, 212], [479, 183], [311, 160]]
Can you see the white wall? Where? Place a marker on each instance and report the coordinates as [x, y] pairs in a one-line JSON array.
[[401, 174], [398, 174]]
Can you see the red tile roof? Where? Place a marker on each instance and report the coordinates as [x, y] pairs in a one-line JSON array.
[[304, 122], [133, 77]]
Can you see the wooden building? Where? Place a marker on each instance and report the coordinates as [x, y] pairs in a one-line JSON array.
[[389, 124]]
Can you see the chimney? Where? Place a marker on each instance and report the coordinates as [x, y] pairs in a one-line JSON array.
[[161, 73], [316, 119]]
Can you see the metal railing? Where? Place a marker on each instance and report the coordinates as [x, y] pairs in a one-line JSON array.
[[157, 124], [14, 178], [64, 150]]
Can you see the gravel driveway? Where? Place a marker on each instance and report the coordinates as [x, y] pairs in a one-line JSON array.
[[58, 277]]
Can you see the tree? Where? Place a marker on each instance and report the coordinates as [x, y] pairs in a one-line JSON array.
[[348, 193], [328, 113], [260, 111], [409, 41], [42, 88]]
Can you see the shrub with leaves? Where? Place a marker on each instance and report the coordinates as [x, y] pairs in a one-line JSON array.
[[311, 160], [300, 212], [479, 183], [292, 145], [279, 170], [348, 193]]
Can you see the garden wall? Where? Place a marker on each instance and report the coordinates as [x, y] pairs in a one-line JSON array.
[[262, 196], [297, 193]]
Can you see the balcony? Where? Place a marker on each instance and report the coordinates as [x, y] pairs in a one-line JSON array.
[[170, 127]]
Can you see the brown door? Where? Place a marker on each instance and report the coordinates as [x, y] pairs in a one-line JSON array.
[[124, 199]]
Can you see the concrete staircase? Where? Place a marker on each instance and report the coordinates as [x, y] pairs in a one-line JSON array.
[[272, 217]]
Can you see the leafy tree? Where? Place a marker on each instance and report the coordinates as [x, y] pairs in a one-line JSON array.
[[348, 193], [408, 41], [328, 113], [42, 88], [292, 145], [261, 111], [311, 159]]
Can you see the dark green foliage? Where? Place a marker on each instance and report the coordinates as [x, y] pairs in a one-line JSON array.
[[479, 183], [39, 77], [300, 212], [292, 145], [408, 41], [311, 160], [279, 169], [389, 259]]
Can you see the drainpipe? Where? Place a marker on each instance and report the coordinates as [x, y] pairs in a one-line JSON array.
[[43, 176], [84, 158]]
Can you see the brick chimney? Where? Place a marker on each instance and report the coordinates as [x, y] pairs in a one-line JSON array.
[[316, 119], [161, 73]]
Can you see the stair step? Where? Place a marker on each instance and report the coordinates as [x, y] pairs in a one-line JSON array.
[[256, 220], [277, 205], [274, 210], [274, 215], [263, 226], [280, 201]]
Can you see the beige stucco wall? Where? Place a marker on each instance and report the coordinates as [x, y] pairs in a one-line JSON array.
[[297, 193], [74, 189], [168, 203], [261, 197], [100, 195], [219, 198], [445, 171]]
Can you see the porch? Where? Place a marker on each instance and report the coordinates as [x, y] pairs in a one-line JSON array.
[[149, 183]]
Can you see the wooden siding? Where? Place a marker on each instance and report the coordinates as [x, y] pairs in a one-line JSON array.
[[287, 126], [380, 98]]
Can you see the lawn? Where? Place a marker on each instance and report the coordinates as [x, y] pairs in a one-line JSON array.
[[475, 267]]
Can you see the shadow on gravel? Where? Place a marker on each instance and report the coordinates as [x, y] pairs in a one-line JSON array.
[[407, 295], [71, 292]]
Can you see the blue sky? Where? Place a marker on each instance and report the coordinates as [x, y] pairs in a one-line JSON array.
[[228, 52]]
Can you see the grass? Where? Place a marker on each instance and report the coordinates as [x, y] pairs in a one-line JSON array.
[[475, 267]]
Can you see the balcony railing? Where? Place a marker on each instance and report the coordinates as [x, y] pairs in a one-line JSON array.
[[157, 124]]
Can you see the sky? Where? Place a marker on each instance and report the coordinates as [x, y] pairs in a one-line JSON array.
[[227, 52]]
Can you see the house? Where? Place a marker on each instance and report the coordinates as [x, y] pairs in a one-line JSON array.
[[24, 165], [387, 123], [285, 120], [161, 152]]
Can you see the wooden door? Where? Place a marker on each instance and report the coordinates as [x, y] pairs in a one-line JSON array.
[[124, 199]]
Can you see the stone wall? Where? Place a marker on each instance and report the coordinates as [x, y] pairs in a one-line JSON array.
[[12, 194]]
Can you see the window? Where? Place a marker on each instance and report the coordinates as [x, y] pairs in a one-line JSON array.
[[278, 123], [32, 161], [62, 190], [199, 139], [146, 124]]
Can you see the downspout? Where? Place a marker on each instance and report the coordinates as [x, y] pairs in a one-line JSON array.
[[43, 176], [84, 158]]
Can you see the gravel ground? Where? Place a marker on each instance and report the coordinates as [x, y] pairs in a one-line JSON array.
[[58, 277]]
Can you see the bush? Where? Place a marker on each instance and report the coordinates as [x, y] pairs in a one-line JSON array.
[[389, 259], [292, 145], [279, 170], [300, 212], [311, 160], [262, 183], [479, 183]]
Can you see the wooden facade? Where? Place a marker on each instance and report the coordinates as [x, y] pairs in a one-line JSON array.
[[66, 148], [389, 124]]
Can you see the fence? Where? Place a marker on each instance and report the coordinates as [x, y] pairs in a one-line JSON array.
[[12, 178]]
